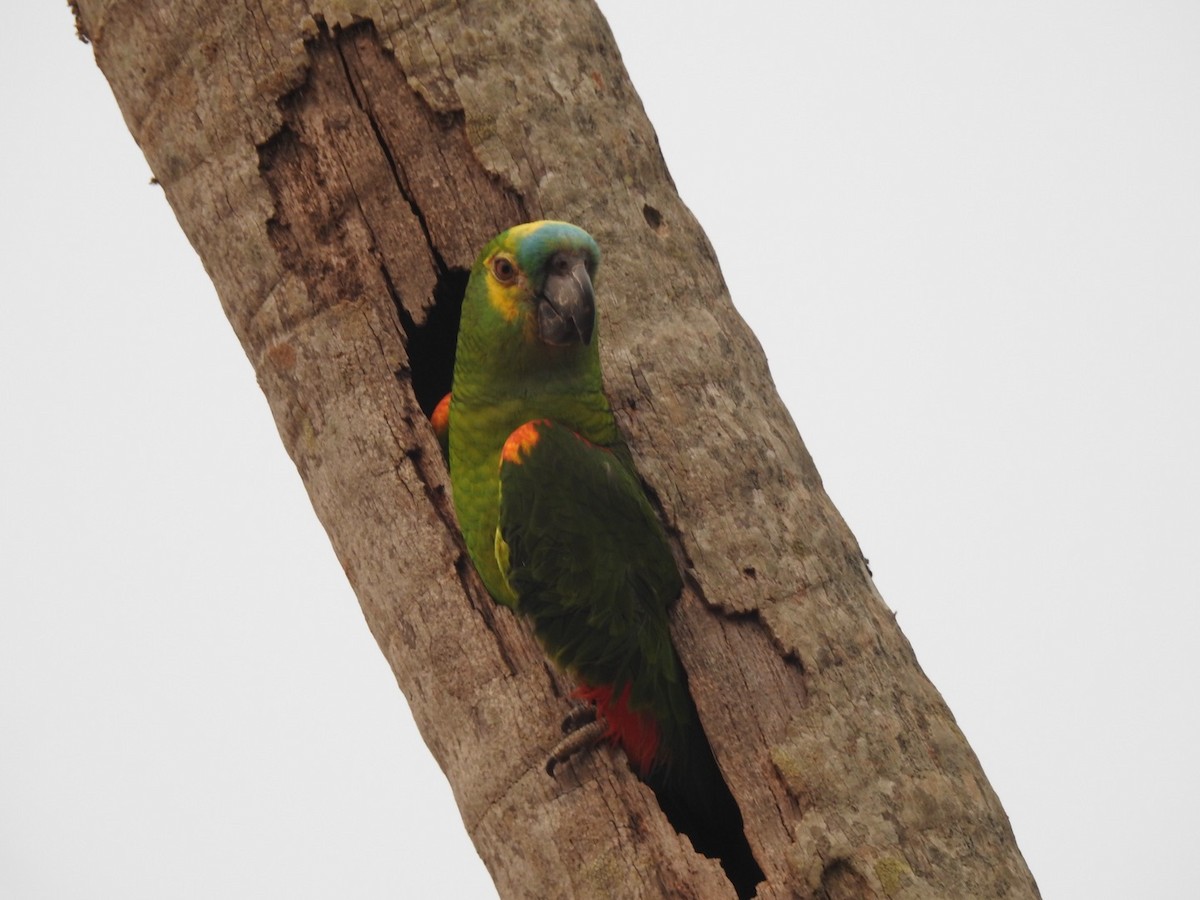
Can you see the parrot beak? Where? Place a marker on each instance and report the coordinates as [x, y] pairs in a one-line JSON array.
[[566, 309]]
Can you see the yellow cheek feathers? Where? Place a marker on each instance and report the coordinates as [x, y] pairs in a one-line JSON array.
[[503, 298]]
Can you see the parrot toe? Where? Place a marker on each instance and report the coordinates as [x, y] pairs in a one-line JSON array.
[[580, 715], [584, 737]]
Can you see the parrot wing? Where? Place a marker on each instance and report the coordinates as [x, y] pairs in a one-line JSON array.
[[586, 557]]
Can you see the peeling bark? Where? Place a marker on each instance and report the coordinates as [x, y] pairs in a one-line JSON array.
[[337, 171]]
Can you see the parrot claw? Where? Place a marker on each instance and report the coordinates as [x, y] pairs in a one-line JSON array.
[[586, 735], [580, 715]]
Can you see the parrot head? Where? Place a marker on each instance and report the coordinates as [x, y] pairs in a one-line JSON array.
[[529, 308]]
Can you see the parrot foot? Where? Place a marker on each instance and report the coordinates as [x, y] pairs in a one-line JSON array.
[[584, 736]]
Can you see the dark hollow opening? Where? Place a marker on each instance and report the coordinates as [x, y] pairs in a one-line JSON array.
[[714, 826], [431, 345]]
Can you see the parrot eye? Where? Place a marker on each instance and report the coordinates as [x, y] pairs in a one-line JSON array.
[[504, 270]]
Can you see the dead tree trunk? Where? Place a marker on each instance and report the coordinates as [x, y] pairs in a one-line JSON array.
[[336, 173]]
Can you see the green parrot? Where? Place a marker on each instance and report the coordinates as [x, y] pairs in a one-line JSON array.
[[558, 525]]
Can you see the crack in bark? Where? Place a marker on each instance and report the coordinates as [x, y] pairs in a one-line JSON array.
[[287, 163], [485, 606], [396, 169]]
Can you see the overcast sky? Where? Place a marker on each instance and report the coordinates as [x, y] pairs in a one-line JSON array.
[[968, 237]]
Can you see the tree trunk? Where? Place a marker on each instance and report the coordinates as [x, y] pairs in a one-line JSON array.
[[337, 173]]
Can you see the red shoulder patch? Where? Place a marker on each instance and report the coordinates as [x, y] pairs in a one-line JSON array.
[[636, 732], [521, 441]]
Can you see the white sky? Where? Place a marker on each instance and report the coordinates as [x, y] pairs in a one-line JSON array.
[[968, 236]]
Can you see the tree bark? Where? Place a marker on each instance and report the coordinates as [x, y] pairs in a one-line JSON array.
[[337, 169]]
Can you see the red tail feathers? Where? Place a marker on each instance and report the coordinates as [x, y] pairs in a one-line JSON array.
[[636, 732]]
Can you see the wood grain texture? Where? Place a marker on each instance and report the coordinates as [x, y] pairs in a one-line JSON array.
[[333, 166]]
